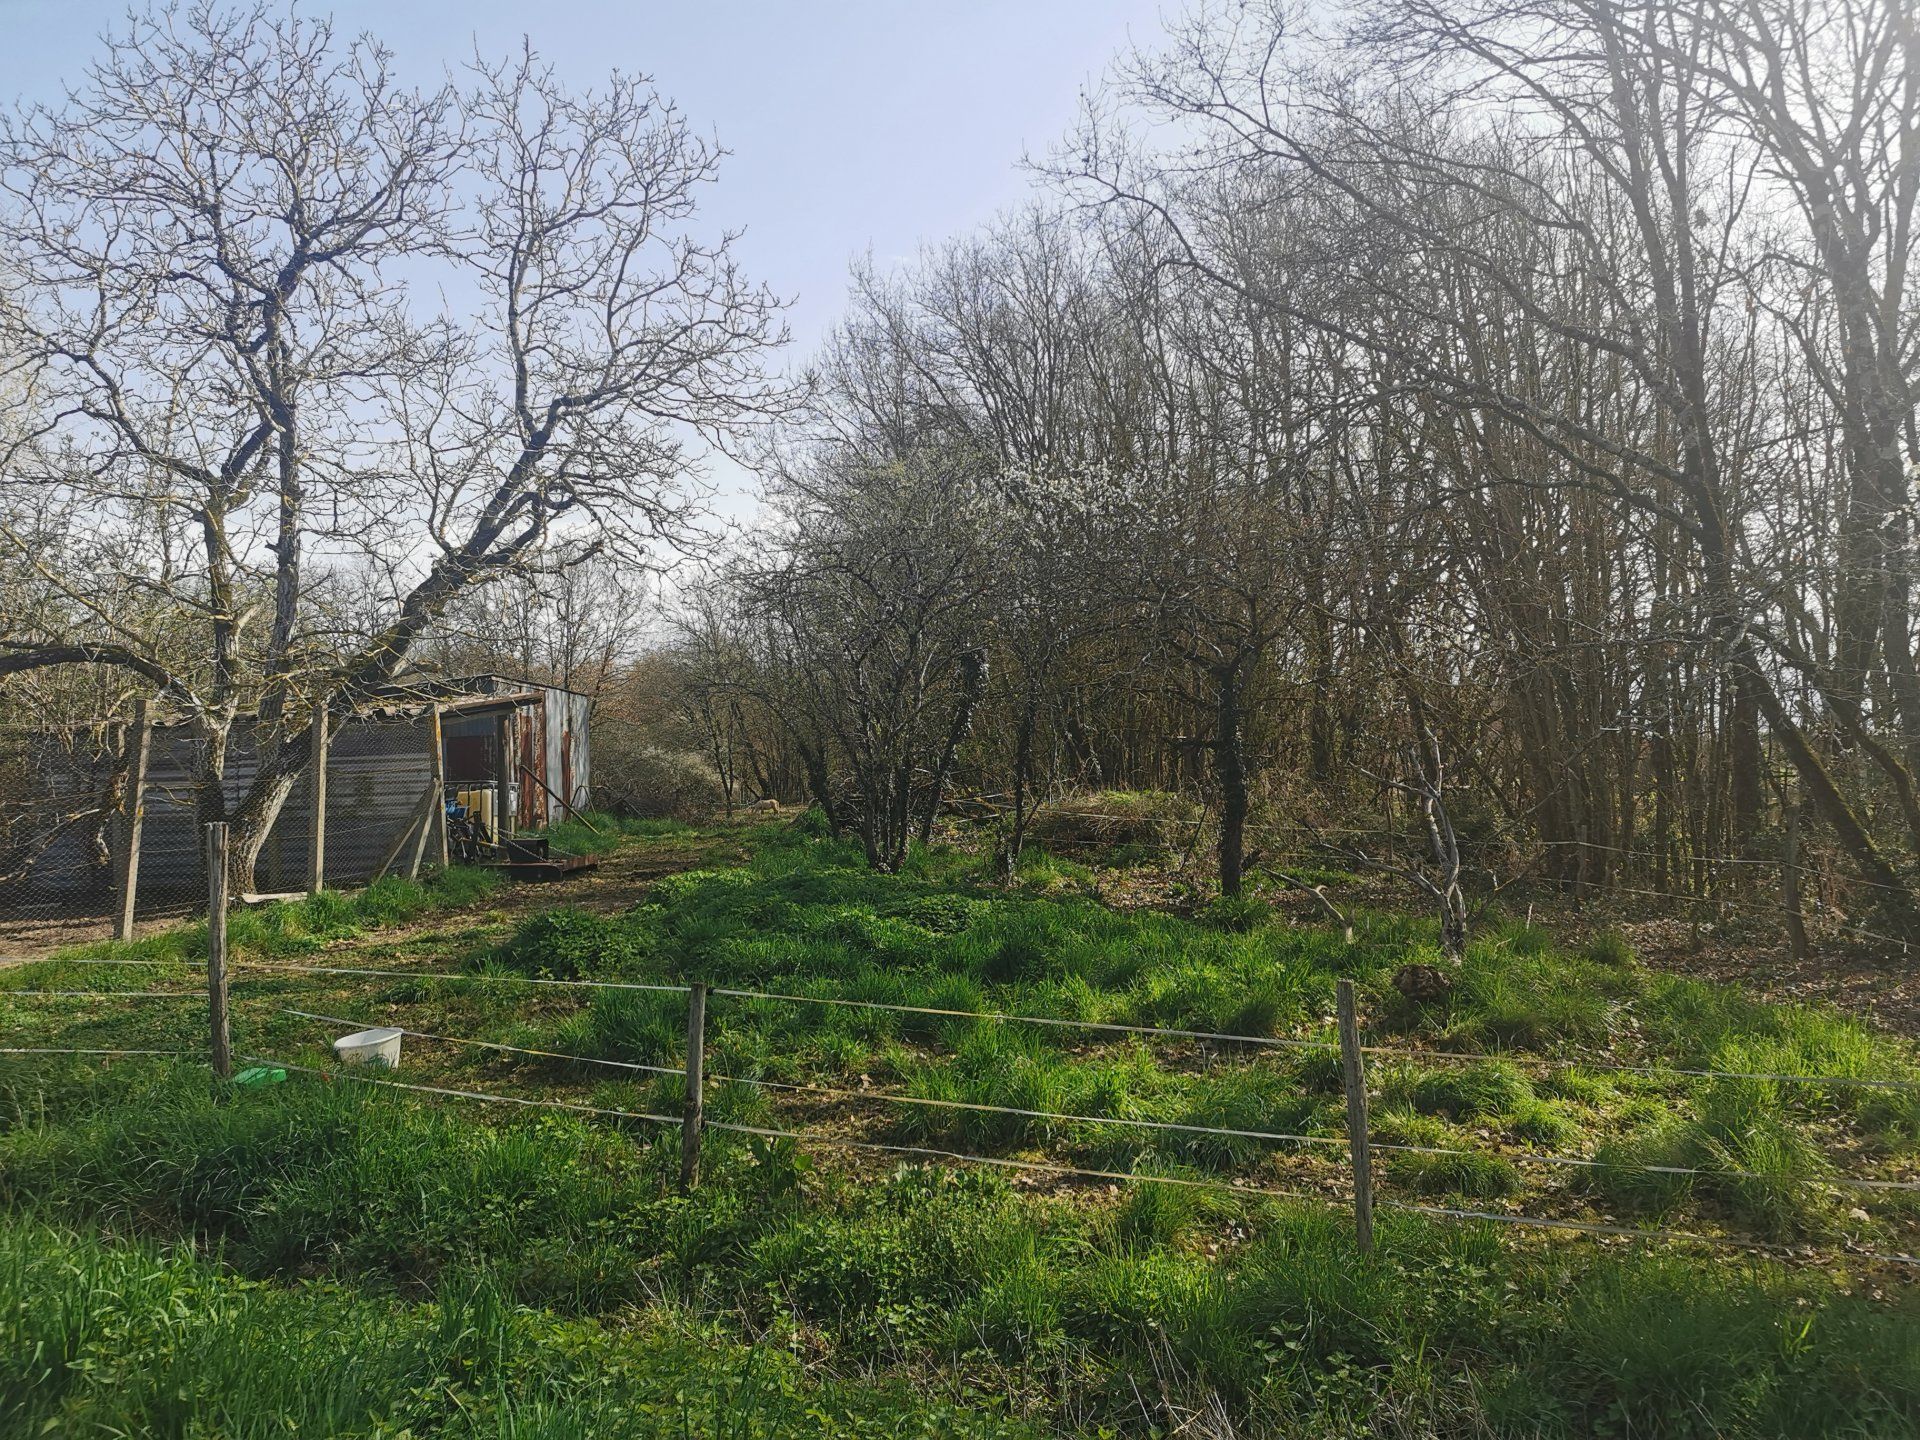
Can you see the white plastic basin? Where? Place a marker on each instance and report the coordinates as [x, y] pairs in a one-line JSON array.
[[379, 1046]]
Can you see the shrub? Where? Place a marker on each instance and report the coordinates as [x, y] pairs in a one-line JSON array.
[[1484, 1088], [1145, 821], [568, 943], [812, 823], [651, 783], [1612, 949]]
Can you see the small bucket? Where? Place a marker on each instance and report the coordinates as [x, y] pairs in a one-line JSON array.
[[380, 1046]]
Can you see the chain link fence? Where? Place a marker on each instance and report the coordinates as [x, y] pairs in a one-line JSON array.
[[101, 827], [101, 832]]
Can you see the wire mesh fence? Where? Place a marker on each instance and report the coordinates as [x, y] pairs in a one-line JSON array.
[[540, 1090], [101, 826]]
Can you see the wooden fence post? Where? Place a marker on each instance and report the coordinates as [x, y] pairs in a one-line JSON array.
[[693, 1115], [440, 784], [418, 818], [432, 803], [1353, 1077], [317, 822], [141, 744], [1790, 887], [217, 948]]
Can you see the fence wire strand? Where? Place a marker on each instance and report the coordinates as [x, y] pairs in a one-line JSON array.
[[1548, 1063], [1140, 1122]]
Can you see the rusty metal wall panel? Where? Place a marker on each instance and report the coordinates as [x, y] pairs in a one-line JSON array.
[[553, 707], [580, 724], [532, 723]]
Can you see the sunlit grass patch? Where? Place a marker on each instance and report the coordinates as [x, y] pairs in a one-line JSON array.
[[1472, 1175], [1479, 1089], [912, 1274], [1750, 1158]]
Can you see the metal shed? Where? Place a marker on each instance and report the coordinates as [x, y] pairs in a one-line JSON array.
[[539, 731], [524, 744]]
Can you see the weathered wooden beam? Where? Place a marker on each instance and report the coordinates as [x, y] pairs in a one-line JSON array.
[[140, 744], [317, 822]]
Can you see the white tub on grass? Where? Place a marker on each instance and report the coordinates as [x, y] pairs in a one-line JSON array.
[[379, 1046]]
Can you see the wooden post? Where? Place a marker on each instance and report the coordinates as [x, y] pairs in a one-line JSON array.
[[439, 787], [503, 818], [434, 803], [693, 1116], [140, 740], [1790, 885], [420, 840], [1353, 1078], [217, 948], [418, 818], [317, 822]]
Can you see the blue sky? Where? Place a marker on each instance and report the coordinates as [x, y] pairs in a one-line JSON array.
[[854, 124]]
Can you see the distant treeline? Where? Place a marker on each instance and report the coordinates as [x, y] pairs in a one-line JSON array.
[[1501, 418]]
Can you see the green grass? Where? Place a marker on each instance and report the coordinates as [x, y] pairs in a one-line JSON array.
[[1486, 1089], [282, 929], [1756, 1162], [1070, 1299], [597, 832], [805, 917], [547, 1268], [1472, 1176], [144, 1340]]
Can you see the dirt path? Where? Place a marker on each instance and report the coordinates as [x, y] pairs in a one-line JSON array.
[[619, 882], [622, 878]]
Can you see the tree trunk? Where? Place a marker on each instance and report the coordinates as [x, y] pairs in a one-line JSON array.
[[252, 821], [1230, 770], [1006, 856], [973, 689]]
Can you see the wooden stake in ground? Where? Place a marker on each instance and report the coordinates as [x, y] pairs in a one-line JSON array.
[[693, 1116], [421, 817], [317, 822], [217, 949], [1790, 889], [139, 744], [1353, 1078], [428, 806]]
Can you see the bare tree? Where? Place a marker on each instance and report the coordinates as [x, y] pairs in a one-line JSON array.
[[878, 594], [204, 231]]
